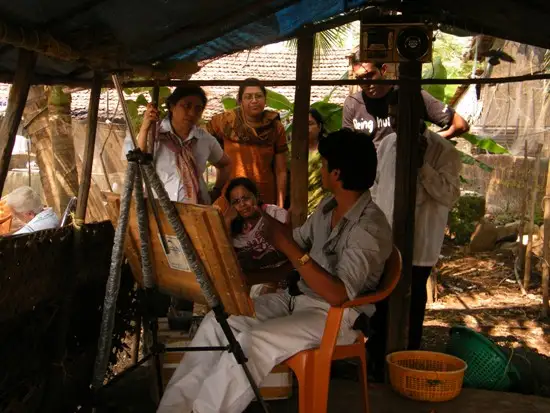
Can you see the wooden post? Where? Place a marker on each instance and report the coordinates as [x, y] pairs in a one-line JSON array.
[[409, 110], [153, 128], [16, 104], [523, 212], [300, 144], [86, 178], [532, 204], [546, 247]]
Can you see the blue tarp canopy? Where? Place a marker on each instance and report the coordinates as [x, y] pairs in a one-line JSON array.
[[129, 33]]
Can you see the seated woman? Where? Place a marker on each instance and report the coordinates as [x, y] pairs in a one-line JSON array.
[[27, 207], [260, 261]]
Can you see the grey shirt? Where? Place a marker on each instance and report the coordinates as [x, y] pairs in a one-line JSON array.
[[355, 250], [371, 117]]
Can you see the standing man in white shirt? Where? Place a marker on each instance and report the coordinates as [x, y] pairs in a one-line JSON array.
[[438, 188], [27, 207]]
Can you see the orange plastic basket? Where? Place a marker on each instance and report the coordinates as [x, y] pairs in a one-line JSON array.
[[426, 375]]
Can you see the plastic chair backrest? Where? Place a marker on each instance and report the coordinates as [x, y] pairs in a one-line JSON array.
[[391, 274]]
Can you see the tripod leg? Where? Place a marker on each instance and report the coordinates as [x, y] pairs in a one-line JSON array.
[[113, 282], [200, 272], [147, 271], [236, 349]]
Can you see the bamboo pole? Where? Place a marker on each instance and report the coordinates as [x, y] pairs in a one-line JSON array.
[[16, 104], [521, 248], [532, 204], [300, 144], [525, 196], [86, 179], [405, 201], [546, 248], [153, 129]]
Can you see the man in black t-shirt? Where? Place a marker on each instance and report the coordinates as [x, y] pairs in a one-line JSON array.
[[367, 111]]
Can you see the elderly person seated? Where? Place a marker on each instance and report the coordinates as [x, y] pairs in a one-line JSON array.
[[26, 206]]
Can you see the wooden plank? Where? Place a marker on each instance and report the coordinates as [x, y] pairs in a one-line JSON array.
[[300, 145], [16, 103], [404, 209], [86, 178], [206, 230]]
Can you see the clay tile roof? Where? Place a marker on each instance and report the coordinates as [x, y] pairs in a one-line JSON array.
[[259, 63]]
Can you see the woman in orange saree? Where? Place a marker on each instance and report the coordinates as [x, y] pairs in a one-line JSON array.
[[255, 141]]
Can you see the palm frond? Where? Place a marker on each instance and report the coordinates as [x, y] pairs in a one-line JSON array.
[[324, 42]]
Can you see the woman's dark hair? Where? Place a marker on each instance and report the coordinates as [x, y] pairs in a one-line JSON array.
[[354, 155], [183, 91], [238, 223], [250, 82], [320, 121]]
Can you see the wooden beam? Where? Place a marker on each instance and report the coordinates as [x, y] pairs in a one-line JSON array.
[[89, 149], [300, 144], [335, 82], [408, 130], [7, 77], [16, 103]]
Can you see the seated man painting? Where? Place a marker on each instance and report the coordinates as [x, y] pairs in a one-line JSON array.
[[339, 253], [27, 207]]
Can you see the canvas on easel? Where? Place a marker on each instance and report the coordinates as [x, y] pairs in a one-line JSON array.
[[205, 227]]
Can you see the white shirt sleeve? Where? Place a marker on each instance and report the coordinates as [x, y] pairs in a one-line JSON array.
[[441, 177], [127, 146], [216, 151]]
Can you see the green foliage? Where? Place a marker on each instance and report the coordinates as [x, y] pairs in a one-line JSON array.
[[327, 41], [435, 71], [449, 49], [135, 106], [464, 216], [470, 160], [485, 143]]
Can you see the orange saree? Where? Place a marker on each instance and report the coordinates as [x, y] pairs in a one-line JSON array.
[[251, 148]]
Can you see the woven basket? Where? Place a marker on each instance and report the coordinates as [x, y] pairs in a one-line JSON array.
[[490, 368], [426, 375]]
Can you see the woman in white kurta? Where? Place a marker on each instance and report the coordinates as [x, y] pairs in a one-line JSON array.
[[182, 149]]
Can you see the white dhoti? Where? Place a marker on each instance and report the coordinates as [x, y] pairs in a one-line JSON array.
[[213, 382]]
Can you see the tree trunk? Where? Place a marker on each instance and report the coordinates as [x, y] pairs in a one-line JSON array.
[[35, 118], [66, 174]]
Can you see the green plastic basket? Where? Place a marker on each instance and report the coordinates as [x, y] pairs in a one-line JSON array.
[[488, 367]]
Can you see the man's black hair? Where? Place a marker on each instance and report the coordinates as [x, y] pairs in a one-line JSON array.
[[356, 60], [354, 155]]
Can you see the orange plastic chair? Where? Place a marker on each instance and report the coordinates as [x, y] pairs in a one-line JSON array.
[[312, 367]]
